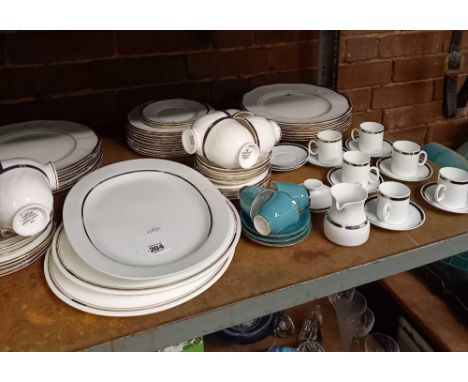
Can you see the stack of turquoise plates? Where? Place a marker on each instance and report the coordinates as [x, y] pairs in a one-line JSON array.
[[292, 235]]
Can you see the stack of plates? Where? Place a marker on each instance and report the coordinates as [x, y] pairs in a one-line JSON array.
[[120, 252], [17, 252], [155, 128], [74, 149], [290, 236], [288, 157], [301, 110], [231, 181]]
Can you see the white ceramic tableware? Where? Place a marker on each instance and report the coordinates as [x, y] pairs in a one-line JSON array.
[[384, 152], [266, 132], [119, 220], [356, 168], [415, 216], [329, 146], [347, 208], [26, 199], [193, 137], [452, 188], [371, 135], [287, 157], [393, 201], [407, 156], [319, 195], [347, 236], [334, 177], [428, 194], [422, 173]]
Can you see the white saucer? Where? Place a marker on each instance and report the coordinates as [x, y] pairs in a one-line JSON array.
[[415, 219], [427, 192], [288, 157], [313, 159], [334, 177], [386, 147], [424, 172]]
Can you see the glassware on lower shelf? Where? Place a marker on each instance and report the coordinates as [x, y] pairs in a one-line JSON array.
[[379, 342]]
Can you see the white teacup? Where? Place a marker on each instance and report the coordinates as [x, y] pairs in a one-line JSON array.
[[26, 199], [266, 132], [371, 135], [393, 201], [192, 138], [452, 188], [356, 168], [407, 156], [329, 146], [230, 145]]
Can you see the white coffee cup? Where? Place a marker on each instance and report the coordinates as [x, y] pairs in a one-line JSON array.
[[393, 199], [26, 199], [452, 187], [407, 156], [371, 135], [329, 146], [356, 168]]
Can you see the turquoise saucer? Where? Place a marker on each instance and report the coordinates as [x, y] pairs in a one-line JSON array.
[[285, 243]]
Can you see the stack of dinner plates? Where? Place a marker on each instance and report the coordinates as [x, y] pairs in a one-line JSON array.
[[301, 110], [230, 181], [74, 149], [17, 252], [155, 128], [139, 237]]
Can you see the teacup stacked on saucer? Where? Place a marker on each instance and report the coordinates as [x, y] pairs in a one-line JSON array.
[[276, 217], [233, 149], [155, 128]]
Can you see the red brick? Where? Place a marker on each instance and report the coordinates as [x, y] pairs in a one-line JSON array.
[[416, 68], [17, 83], [269, 37], [294, 56], [360, 98], [137, 42], [401, 117], [93, 107], [232, 63], [64, 78], [361, 48], [53, 46], [306, 75], [367, 116], [416, 134], [448, 131], [228, 93], [438, 93], [410, 43], [137, 71], [409, 93], [129, 98], [233, 39], [360, 75]]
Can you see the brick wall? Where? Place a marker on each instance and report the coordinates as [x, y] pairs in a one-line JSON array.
[[96, 77], [396, 78]]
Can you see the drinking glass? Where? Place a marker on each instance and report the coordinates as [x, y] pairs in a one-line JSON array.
[[379, 342]]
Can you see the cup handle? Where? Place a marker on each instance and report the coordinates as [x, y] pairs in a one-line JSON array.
[[377, 174], [353, 137], [439, 193], [422, 155], [386, 212], [313, 141]]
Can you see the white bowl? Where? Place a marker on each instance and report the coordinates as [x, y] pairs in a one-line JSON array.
[[267, 131]]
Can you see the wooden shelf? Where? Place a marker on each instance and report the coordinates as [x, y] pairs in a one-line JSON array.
[[260, 280]]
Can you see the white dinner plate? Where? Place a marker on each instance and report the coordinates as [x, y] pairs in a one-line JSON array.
[[415, 219], [127, 219], [424, 172], [427, 192], [62, 142], [66, 258], [334, 177], [386, 147], [173, 111], [296, 103]]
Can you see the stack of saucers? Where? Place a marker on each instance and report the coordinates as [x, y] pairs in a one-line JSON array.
[[17, 252], [276, 217], [74, 149], [288, 157], [120, 253], [230, 181], [301, 110], [155, 128]]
